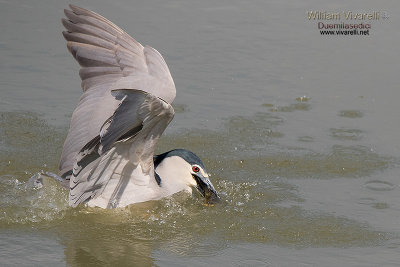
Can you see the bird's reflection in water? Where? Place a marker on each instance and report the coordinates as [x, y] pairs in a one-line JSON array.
[[127, 236], [98, 238], [92, 249]]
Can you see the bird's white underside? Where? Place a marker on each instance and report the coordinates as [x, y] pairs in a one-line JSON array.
[[139, 188]]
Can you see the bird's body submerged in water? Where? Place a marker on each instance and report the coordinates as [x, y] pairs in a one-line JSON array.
[[108, 156]]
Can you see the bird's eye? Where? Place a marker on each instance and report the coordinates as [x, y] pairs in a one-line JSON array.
[[195, 168]]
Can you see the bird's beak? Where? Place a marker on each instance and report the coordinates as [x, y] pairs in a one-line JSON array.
[[206, 189]]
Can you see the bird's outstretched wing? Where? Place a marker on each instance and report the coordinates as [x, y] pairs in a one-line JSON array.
[[124, 108], [122, 153]]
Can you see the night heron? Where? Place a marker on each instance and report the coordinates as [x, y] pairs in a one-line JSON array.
[[108, 156]]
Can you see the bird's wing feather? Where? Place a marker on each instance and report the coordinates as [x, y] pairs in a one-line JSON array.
[[124, 146], [110, 60]]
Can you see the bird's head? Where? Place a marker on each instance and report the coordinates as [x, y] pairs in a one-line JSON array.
[[182, 167]]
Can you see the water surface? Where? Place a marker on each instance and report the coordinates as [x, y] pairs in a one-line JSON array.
[[299, 132]]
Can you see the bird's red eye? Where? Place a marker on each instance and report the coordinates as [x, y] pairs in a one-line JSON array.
[[195, 168]]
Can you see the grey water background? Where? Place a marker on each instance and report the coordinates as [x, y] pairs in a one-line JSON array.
[[299, 132]]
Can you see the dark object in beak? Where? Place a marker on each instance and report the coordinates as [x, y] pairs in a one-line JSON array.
[[206, 189]]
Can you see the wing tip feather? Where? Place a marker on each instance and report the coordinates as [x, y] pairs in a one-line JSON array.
[[79, 10]]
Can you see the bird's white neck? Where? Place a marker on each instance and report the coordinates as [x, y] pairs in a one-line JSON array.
[[175, 175]]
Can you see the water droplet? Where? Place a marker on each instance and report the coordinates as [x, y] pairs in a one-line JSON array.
[[306, 139], [302, 98], [377, 185], [351, 114], [346, 134]]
